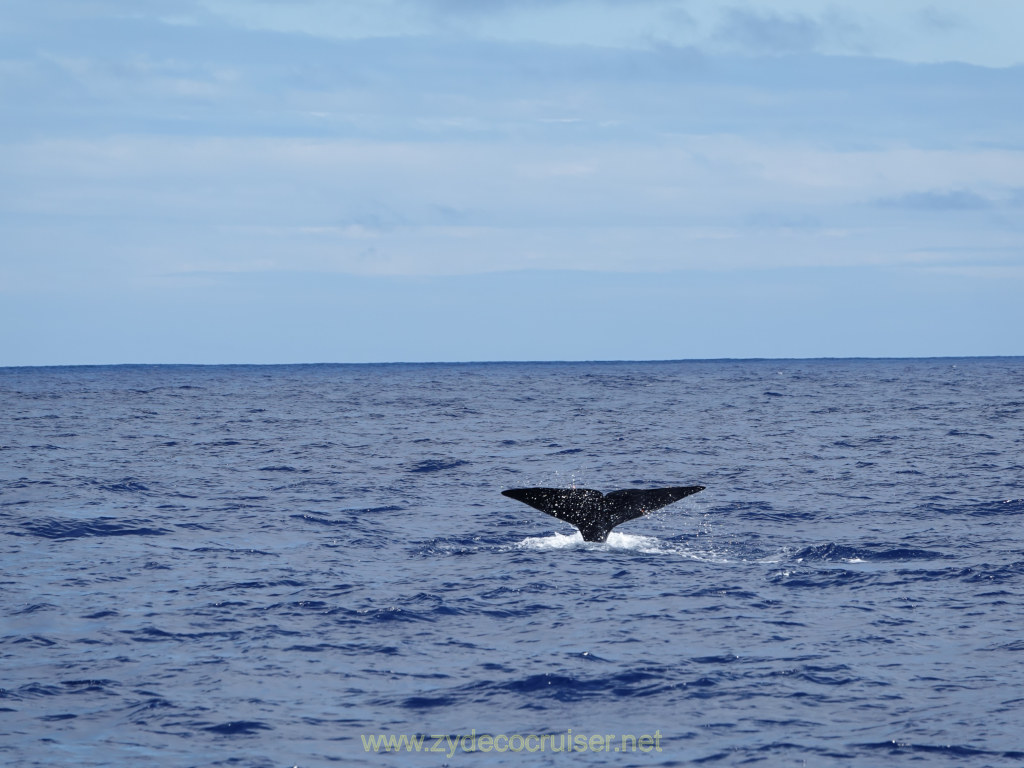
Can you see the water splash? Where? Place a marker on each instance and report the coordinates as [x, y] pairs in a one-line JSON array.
[[626, 542]]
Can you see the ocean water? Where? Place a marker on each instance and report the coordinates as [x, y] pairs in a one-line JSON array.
[[293, 565]]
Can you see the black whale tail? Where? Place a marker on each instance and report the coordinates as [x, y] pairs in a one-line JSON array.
[[596, 513]]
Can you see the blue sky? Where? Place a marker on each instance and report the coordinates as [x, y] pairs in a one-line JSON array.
[[266, 181]]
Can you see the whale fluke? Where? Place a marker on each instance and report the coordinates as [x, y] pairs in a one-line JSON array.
[[596, 513]]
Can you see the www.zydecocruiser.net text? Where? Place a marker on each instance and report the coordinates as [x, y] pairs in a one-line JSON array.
[[449, 744]]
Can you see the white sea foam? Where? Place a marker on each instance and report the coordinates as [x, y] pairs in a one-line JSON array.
[[648, 545]]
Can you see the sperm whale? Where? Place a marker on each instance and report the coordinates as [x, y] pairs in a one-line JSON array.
[[596, 513]]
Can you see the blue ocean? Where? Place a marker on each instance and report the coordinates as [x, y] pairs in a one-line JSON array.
[[314, 565]]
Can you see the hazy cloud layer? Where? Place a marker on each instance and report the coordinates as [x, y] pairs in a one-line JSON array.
[[917, 31], [163, 148]]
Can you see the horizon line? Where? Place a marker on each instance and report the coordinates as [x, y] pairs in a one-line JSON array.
[[852, 358]]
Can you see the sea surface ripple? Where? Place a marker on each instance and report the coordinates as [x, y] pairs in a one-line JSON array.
[[266, 566]]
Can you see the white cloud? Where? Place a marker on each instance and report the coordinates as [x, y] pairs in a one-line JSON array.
[[720, 203]]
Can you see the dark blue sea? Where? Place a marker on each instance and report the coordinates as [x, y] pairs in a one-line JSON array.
[[314, 565]]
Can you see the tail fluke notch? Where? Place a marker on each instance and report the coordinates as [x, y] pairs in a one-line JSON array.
[[596, 513]]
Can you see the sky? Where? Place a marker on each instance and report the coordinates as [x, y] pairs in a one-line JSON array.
[[288, 181]]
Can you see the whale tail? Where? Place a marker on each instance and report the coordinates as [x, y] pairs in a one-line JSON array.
[[596, 513]]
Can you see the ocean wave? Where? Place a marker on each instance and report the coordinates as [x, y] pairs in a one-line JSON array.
[[861, 553], [53, 528]]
